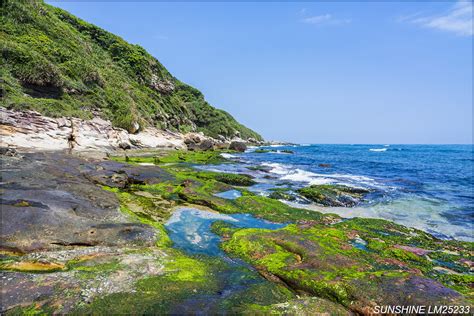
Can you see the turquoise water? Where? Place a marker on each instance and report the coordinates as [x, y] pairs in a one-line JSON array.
[[230, 194], [190, 229], [429, 187]]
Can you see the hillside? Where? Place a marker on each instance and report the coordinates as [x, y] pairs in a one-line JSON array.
[[60, 65]]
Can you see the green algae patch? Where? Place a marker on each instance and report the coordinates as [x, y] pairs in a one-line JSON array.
[[177, 156], [274, 210], [184, 277], [185, 269], [30, 310], [333, 195], [87, 266], [235, 179], [308, 306], [144, 210], [281, 194], [323, 260], [199, 187], [265, 293]]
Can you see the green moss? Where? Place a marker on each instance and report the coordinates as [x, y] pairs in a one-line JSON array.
[[332, 195], [281, 194], [274, 210], [319, 259], [185, 269], [30, 310], [235, 179]]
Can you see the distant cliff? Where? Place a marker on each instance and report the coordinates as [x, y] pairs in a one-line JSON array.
[[60, 65]]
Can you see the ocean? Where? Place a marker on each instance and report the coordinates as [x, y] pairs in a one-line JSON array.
[[429, 187]]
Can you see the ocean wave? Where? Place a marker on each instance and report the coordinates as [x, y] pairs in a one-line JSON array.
[[378, 149], [276, 167], [228, 156], [298, 175]]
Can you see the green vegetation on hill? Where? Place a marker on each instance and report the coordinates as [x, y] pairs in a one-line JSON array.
[[58, 64]]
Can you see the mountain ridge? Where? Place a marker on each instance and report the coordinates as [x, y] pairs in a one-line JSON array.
[[60, 65]]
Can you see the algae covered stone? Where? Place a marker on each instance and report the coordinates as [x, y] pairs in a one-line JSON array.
[[321, 260], [333, 195]]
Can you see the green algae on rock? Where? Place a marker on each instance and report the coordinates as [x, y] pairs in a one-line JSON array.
[[324, 260], [176, 156], [333, 195]]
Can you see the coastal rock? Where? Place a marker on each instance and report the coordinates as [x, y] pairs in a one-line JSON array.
[[50, 202], [333, 195], [322, 260], [29, 129], [163, 86], [238, 146], [325, 165], [197, 141]]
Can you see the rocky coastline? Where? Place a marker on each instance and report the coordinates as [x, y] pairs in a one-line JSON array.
[[33, 131], [85, 233]]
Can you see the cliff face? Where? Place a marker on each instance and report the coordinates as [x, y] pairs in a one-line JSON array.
[[60, 65]]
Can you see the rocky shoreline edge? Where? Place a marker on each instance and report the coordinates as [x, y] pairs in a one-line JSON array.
[[31, 130], [85, 233]]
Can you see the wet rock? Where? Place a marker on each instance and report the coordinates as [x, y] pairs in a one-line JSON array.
[[60, 206], [8, 151], [415, 250], [238, 146], [319, 259], [282, 194], [333, 195]]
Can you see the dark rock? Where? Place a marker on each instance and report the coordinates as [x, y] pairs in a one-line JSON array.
[[238, 146], [205, 144], [333, 195], [8, 151], [51, 200], [325, 165], [125, 145]]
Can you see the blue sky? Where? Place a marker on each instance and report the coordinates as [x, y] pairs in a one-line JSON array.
[[343, 72]]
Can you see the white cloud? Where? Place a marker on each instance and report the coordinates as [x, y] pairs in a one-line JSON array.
[[327, 19], [458, 19]]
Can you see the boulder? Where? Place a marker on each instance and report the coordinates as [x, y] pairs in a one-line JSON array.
[[238, 146], [197, 141], [125, 145]]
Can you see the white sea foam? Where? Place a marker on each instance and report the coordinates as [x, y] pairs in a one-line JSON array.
[[299, 175], [378, 149], [276, 167], [228, 156]]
